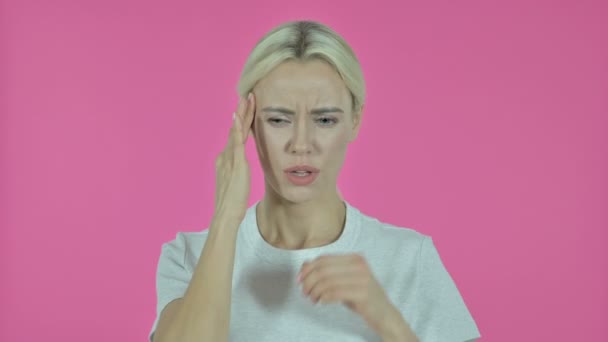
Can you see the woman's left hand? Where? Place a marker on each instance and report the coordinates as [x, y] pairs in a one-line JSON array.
[[348, 279]]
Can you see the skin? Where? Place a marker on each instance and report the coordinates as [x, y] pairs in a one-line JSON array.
[[290, 216], [296, 217]]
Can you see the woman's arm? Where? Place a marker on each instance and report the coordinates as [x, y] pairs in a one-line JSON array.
[[396, 329], [204, 312]]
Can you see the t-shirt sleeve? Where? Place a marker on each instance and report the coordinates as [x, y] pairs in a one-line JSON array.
[[442, 314], [172, 278]]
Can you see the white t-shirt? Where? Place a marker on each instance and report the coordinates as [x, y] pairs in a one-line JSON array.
[[267, 302]]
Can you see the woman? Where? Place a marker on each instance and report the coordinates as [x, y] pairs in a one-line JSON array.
[[309, 266]]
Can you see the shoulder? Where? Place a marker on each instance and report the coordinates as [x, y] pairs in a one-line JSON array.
[[186, 247], [185, 240], [391, 236]]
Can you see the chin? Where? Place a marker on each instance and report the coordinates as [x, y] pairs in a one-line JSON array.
[[296, 193]]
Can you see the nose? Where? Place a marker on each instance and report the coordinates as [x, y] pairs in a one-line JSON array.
[[301, 143]]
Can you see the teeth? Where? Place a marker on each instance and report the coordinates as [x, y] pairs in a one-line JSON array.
[[300, 173]]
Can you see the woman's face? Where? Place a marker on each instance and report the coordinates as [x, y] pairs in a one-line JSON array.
[[303, 116]]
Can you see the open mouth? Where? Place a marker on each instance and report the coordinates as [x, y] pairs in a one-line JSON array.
[[301, 177], [300, 173]]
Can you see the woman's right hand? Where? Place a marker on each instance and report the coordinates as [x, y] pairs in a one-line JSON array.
[[233, 179]]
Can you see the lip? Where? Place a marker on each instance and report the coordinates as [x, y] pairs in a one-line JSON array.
[[302, 168], [308, 179]]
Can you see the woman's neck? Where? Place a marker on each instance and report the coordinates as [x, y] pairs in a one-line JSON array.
[[290, 225]]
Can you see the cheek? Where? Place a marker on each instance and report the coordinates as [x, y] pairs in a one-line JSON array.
[[337, 143], [272, 143], [335, 156], [274, 139]]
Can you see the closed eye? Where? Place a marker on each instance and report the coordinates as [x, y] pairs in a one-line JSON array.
[[276, 120]]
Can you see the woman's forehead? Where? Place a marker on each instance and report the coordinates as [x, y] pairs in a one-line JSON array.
[[299, 93], [306, 90], [313, 78]]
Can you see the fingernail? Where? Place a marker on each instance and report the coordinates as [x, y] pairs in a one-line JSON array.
[[249, 96]]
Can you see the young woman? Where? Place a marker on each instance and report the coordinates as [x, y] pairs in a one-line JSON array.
[[302, 264]]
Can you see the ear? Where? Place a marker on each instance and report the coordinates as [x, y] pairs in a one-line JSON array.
[[357, 117]]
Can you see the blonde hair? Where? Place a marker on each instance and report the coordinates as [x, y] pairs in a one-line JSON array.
[[302, 41]]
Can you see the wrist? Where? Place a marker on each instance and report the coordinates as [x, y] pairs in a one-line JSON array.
[[396, 329], [223, 221]]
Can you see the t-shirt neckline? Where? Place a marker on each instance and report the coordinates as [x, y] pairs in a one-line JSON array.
[[275, 255]]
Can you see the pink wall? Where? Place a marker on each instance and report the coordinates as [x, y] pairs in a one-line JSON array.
[[486, 127]]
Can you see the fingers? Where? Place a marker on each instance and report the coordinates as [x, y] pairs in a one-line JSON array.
[[331, 287], [328, 260], [235, 130], [231, 133], [331, 275], [238, 131], [242, 117], [249, 116]]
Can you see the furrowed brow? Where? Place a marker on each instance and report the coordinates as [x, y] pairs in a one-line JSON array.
[[316, 111]]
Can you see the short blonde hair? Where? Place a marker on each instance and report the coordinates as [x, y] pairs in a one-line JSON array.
[[304, 40]]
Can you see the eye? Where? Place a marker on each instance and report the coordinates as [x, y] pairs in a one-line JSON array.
[[327, 120], [276, 121]]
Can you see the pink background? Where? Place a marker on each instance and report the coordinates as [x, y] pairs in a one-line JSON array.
[[486, 127]]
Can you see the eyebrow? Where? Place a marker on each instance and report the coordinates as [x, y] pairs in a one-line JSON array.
[[316, 111]]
